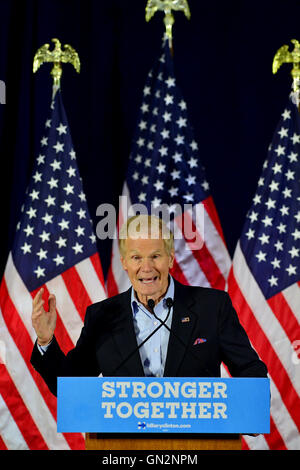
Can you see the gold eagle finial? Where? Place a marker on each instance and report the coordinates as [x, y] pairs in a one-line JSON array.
[[284, 56], [57, 56], [167, 6]]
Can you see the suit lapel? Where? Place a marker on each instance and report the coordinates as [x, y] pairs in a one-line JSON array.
[[125, 338], [183, 324]]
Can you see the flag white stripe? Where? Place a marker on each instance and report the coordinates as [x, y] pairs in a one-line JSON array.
[[9, 431], [257, 442], [90, 280], [291, 295], [189, 265], [283, 420], [69, 315], [29, 392], [19, 295], [265, 317], [215, 245]]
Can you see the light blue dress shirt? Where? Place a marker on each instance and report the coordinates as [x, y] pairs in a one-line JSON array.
[[154, 352]]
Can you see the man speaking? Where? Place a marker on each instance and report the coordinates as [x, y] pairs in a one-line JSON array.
[[158, 327]]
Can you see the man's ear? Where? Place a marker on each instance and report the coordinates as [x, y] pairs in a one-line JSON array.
[[123, 261], [171, 261]]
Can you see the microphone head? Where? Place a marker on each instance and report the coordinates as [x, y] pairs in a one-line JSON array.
[[151, 304], [169, 302]]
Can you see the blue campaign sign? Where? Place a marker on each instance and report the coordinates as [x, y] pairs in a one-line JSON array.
[[167, 405]]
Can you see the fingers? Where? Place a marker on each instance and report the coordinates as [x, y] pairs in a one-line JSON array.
[[38, 296], [52, 302]]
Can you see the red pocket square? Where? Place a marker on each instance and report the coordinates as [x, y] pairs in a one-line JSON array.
[[199, 341]]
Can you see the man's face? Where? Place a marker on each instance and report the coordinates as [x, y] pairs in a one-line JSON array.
[[147, 264]]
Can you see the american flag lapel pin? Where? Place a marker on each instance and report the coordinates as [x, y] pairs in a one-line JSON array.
[[185, 319]]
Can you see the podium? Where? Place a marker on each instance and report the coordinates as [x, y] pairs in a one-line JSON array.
[[174, 413], [94, 441]]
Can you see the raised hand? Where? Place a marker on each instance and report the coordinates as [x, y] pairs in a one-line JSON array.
[[42, 321]]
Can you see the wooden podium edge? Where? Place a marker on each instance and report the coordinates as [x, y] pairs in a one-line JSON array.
[[94, 441]]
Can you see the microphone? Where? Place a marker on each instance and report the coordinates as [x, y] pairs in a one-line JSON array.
[[169, 304], [151, 305]]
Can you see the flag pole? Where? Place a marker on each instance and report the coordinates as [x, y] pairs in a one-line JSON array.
[[167, 6], [57, 56], [284, 56]]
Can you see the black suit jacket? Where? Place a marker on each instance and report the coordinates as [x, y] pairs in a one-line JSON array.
[[108, 338]]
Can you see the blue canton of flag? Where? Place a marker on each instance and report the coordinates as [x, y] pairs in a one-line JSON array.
[[271, 236], [164, 166], [55, 231]]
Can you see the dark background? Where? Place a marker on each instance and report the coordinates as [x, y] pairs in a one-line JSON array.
[[223, 64]]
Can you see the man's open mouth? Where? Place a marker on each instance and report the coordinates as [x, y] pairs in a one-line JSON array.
[[148, 280]]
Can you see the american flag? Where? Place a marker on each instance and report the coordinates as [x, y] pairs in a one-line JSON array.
[[54, 247], [264, 282], [165, 169]]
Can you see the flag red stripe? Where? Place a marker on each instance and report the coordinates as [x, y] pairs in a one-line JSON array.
[[203, 256], [112, 287], [2, 443], [20, 414], [285, 316], [77, 291], [274, 439], [24, 344], [212, 212], [61, 333], [177, 273], [264, 348], [95, 260]]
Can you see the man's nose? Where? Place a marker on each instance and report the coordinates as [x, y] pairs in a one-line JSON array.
[[147, 264]]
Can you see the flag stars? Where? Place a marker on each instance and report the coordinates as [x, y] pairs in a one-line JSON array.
[[71, 171], [28, 230], [40, 159], [261, 256], [295, 138], [168, 99], [56, 165], [44, 141], [53, 183], [250, 234], [61, 129], [45, 236], [273, 281], [182, 105], [158, 185], [77, 248], [64, 224], [294, 252], [31, 213], [58, 147], [179, 139], [253, 216], [181, 122], [79, 230], [193, 162], [81, 213], [26, 248], [61, 242], [264, 238], [40, 272], [277, 168], [72, 154], [291, 270], [161, 168], [37, 177], [69, 189], [58, 260], [283, 132], [273, 186], [286, 114], [163, 151], [293, 157], [278, 245], [42, 254], [170, 82], [280, 150], [281, 228], [66, 206], [47, 218], [34, 194], [267, 221], [276, 263], [50, 201]]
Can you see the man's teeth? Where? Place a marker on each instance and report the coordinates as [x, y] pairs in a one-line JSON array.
[[148, 281]]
